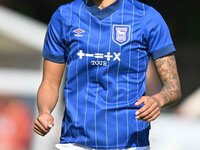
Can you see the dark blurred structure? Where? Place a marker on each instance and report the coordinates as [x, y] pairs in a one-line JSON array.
[[14, 55], [181, 16], [37, 9]]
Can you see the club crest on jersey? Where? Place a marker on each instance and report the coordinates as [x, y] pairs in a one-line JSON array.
[[78, 32], [121, 34]]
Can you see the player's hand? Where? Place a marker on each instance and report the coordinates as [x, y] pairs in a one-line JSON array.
[[43, 124], [150, 110]]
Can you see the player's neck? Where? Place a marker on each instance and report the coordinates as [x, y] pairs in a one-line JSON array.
[[103, 3]]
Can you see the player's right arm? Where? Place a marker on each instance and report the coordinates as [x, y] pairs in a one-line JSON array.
[[48, 95]]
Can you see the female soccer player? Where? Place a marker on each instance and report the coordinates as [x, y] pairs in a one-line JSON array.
[[106, 46]]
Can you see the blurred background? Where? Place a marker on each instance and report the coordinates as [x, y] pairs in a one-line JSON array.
[[23, 25]]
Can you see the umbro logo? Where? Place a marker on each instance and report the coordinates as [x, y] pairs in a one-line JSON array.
[[78, 32]]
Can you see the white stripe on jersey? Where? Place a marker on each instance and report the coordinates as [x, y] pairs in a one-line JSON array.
[[97, 90], [144, 63], [87, 90], [106, 117], [68, 70], [77, 77], [128, 82], [117, 126]]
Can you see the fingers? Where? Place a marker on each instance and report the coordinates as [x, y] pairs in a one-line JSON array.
[[43, 124], [152, 115], [150, 111], [46, 120], [142, 100], [39, 127], [143, 113], [39, 131]]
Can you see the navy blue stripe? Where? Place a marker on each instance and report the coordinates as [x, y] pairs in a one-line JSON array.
[[53, 58], [163, 51]]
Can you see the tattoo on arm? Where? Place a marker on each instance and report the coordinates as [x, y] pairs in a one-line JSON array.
[[167, 70]]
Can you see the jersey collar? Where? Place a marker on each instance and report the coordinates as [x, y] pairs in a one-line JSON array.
[[102, 13]]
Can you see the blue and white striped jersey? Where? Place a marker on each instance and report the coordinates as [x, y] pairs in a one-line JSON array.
[[106, 52]]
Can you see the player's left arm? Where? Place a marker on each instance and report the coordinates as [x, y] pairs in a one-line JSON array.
[[169, 94]]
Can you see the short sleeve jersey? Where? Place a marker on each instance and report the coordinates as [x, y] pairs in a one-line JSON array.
[[107, 53]]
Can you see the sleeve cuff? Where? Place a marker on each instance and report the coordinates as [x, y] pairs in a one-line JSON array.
[[163, 51], [53, 58]]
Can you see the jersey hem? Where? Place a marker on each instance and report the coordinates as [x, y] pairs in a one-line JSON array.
[[106, 147]]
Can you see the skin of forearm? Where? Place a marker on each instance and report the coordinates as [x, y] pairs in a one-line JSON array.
[[47, 97], [171, 91]]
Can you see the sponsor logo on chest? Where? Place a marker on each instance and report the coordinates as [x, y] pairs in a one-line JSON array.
[[99, 56], [120, 35]]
